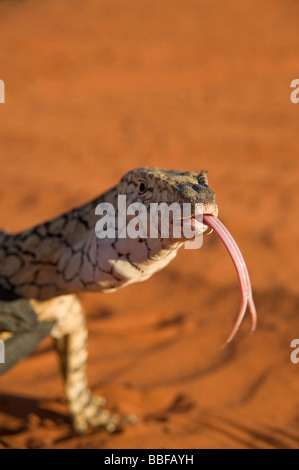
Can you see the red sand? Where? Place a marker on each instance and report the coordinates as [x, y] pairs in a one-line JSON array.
[[94, 89]]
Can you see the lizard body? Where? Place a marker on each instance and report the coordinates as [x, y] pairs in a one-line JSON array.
[[42, 268]]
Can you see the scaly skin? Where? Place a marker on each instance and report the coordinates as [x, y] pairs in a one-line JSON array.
[[49, 263]]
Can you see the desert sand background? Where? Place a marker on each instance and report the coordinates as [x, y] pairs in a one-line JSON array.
[[96, 88]]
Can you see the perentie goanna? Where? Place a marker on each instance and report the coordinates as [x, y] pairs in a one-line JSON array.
[[42, 269]]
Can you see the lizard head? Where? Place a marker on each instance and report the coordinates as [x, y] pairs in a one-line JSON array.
[[153, 185]]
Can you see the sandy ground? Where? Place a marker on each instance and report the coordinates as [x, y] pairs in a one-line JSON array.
[[96, 88]]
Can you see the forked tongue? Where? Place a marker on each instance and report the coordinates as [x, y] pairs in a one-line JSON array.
[[236, 255]]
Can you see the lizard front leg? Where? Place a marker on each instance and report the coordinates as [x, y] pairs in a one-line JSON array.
[[70, 338]]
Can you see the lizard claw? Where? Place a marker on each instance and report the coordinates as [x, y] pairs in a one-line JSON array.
[[93, 415]]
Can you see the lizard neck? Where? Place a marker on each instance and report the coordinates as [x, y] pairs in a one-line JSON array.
[[41, 262], [64, 256]]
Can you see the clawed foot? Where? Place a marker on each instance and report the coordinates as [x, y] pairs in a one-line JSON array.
[[93, 415]]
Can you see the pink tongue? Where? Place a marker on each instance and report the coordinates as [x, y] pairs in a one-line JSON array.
[[235, 253]]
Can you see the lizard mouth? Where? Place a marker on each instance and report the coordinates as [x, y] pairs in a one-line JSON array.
[[198, 224], [194, 222]]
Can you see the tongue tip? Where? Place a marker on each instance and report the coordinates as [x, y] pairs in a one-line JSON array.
[[253, 314], [230, 338], [233, 334]]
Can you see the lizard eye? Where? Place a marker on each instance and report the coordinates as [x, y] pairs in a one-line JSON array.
[[142, 187]]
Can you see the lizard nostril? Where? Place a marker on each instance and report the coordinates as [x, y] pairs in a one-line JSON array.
[[197, 187]]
